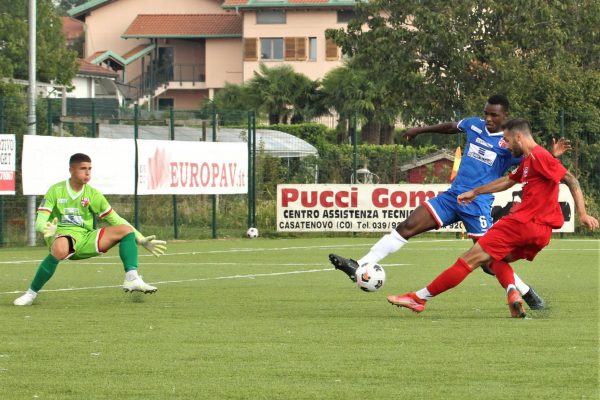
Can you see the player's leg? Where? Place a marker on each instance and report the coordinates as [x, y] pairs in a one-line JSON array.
[[420, 220], [61, 248], [477, 219], [448, 279], [128, 252]]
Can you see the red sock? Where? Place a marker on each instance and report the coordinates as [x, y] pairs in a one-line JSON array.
[[450, 277], [504, 272]]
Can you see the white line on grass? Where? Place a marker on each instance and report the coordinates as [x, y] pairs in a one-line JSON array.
[[247, 276]]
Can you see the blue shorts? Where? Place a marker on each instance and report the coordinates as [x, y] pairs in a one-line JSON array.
[[476, 216]]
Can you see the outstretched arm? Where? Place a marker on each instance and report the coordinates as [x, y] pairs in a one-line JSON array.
[[446, 128], [500, 184], [575, 189], [560, 146]]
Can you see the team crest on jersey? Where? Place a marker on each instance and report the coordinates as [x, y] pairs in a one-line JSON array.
[[85, 202], [525, 171], [502, 143]]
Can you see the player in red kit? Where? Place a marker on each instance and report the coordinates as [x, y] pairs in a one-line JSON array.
[[520, 235]]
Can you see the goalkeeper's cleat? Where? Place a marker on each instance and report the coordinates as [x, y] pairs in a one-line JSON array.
[[26, 299], [408, 300], [138, 285], [347, 266], [515, 304], [533, 300]]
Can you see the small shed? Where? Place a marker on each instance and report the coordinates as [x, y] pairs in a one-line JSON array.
[[433, 167]]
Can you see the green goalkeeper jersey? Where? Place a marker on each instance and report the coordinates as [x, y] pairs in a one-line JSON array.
[[74, 211]]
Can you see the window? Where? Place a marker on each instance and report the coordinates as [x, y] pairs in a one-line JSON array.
[[331, 51], [312, 49], [295, 48], [270, 17], [165, 104], [344, 16], [250, 49], [271, 49]]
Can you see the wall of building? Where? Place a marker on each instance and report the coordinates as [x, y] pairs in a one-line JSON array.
[[105, 25], [223, 62], [302, 23], [185, 99]]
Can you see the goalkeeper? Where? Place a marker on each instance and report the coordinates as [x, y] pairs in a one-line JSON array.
[[65, 218]]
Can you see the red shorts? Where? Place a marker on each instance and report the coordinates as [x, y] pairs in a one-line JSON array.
[[519, 240]]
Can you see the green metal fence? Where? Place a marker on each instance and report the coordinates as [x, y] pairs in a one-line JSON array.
[[210, 216]]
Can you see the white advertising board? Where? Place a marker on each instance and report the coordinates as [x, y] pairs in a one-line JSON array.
[[376, 208], [170, 167], [46, 162], [8, 156]]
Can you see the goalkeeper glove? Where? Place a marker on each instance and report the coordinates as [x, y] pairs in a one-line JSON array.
[[50, 228], [154, 246]]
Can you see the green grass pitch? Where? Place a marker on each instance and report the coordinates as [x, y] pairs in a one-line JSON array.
[[270, 319]]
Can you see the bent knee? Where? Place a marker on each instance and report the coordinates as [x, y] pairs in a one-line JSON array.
[[60, 248]]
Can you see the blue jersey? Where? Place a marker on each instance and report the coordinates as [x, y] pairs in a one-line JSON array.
[[484, 158]]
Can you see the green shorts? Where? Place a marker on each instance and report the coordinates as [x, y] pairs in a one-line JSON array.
[[82, 245]]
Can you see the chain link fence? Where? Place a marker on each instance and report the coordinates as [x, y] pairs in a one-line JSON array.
[[209, 216]]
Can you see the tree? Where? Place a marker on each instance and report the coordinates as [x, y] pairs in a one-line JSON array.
[[63, 6], [438, 58], [279, 91], [55, 62]]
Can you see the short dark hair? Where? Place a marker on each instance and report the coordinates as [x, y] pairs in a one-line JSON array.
[[79, 158], [499, 99], [517, 124]]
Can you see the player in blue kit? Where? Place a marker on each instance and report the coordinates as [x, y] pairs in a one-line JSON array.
[[484, 160]]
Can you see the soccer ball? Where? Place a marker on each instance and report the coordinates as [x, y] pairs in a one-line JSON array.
[[252, 233], [370, 277]]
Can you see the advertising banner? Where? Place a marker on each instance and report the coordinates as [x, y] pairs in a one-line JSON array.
[[8, 156], [377, 208], [46, 162], [169, 167], [164, 167]]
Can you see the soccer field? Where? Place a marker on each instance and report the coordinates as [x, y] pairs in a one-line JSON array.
[[271, 319]]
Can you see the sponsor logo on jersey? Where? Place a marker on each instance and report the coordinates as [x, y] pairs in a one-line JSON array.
[[484, 143], [85, 202], [480, 154], [476, 129]]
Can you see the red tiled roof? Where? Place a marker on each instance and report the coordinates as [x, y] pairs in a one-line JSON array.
[[134, 51], [95, 55], [160, 25], [72, 28], [86, 68]]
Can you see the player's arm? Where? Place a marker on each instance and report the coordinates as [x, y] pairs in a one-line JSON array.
[[499, 185], [150, 243], [560, 147], [444, 128], [575, 189]]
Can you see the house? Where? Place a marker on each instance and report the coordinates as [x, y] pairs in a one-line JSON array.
[[179, 53], [433, 168], [73, 30]]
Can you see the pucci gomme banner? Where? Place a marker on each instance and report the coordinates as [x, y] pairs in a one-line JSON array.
[[170, 167], [8, 156], [46, 162], [377, 208]]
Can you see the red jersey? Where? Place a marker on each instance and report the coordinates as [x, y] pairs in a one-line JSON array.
[[540, 174]]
